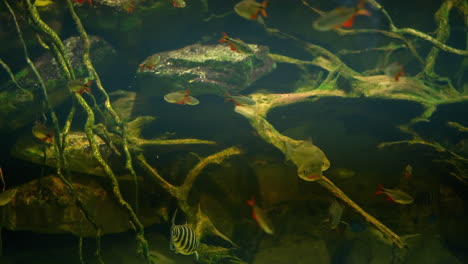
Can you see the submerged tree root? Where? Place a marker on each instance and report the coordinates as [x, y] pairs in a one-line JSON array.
[[203, 224], [255, 114]]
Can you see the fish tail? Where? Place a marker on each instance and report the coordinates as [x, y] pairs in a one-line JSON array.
[[380, 191], [80, 92], [348, 23], [232, 47], [224, 38], [251, 202], [264, 5]]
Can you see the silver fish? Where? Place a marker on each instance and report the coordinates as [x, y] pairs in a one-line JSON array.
[[183, 239], [309, 159], [335, 211]]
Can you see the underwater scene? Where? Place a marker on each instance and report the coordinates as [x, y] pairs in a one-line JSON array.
[[234, 131]]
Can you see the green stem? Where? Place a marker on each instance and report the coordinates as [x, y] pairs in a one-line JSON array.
[[442, 33], [67, 66]]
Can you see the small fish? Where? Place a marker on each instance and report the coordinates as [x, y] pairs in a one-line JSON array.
[[237, 44], [79, 86], [150, 63], [341, 173], [340, 17], [309, 159], [183, 239], [82, 1], [7, 196], [239, 100], [43, 133], [260, 216], [179, 3], [335, 211], [394, 70], [249, 9], [408, 171], [181, 97], [43, 3], [395, 195]]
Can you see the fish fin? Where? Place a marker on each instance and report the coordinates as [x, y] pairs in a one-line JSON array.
[[142, 67], [174, 4], [363, 12], [186, 99], [187, 92], [255, 15], [50, 139], [173, 217], [227, 100], [181, 101], [223, 39], [390, 199], [236, 103], [232, 47], [80, 92], [348, 23], [90, 2], [380, 186], [378, 192], [251, 202], [262, 9], [196, 255]]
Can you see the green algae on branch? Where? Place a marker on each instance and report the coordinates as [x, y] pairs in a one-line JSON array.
[[202, 223], [272, 136]]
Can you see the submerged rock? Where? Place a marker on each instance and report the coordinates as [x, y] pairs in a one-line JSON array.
[[205, 69], [19, 107], [45, 205]]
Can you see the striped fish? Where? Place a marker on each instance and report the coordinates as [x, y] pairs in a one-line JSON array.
[[183, 239]]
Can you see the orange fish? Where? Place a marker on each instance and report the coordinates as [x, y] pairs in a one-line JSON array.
[[340, 17], [260, 216], [42, 133], [181, 97], [249, 9], [82, 1], [236, 44], [79, 86], [394, 70], [150, 63]]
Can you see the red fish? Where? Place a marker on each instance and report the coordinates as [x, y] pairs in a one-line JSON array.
[[42, 133], [395, 195], [82, 1], [260, 216], [236, 44], [79, 86], [340, 17], [249, 9]]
